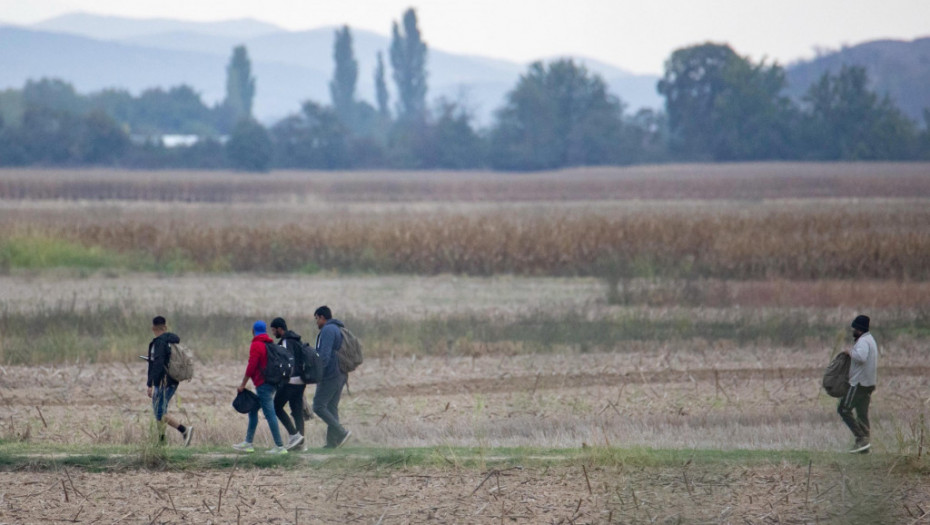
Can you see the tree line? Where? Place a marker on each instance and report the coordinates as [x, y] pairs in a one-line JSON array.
[[719, 106]]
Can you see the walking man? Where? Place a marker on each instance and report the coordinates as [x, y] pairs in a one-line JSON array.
[[258, 360], [161, 386], [863, 366], [328, 391], [292, 393]]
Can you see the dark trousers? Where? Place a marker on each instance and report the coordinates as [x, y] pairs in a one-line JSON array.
[[854, 409], [292, 395], [326, 405]]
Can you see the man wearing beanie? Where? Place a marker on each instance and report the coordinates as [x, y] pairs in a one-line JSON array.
[[854, 406], [258, 361], [293, 392]]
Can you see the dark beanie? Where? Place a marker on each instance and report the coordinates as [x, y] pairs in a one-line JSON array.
[[279, 323], [861, 323]]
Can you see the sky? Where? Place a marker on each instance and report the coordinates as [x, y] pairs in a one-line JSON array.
[[637, 35]]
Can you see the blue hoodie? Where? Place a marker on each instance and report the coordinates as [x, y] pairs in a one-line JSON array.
[[328, 342]]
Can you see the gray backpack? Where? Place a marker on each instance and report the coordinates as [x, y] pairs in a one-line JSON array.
[[836, 376], [180, 363], [350, 353]]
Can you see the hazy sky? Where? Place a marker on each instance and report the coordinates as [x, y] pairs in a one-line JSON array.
[[636, 35]]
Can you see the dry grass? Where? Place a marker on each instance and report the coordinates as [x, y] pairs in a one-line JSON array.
[[676, 395], [800, 241], [563, 494], [699, 181]]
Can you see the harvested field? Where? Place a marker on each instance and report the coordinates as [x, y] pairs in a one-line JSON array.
[[735, 181], [619, 345], [579, 493]]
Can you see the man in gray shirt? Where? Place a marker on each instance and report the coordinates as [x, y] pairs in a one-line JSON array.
[[862, 371]]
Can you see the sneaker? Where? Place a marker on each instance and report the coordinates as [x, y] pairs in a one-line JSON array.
[[862, 446], [245, 446], [276, 451], [345, 437], [294, 440], [188, 434]]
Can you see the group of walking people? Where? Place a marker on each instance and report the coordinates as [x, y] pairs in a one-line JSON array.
[[853, 407], [272, 399]]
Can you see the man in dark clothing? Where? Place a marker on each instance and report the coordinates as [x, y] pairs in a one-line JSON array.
[[161, 386], [255, 370], [328, 391], [293, 392]]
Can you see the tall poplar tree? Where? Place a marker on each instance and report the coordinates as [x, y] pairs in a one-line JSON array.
[[342, 86], [381, 92], [240, 86], [408, 58]]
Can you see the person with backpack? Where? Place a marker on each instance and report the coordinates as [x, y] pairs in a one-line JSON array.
[[863, 367], [161, 386], [255, 370], [291, 393], [329, 389]]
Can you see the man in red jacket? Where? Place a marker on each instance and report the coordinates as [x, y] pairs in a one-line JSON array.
[[258, 360]]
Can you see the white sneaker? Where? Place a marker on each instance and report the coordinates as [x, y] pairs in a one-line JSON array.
[[245, 446], [276, 451], [188, 434], [293, 440]]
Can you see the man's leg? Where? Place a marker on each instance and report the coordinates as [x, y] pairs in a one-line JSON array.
[[295, 399], [325, 390], [266, 394], [845, 410], [253, 425], [861, 405], [280, 399], [160, 398]]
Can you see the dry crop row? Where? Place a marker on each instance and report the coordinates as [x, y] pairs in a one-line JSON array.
[[861, 241], [704, 181]]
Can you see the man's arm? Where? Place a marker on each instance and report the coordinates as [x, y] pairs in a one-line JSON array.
[[157, 363], [325, 348], [860, 351], [250, 369]]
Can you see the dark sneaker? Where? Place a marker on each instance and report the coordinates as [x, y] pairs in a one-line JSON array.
[[862, 446], [345, 437]]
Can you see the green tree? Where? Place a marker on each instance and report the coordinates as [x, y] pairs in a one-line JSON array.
[[342, 86], [381, 91], [722, 106], [848, 121], [249, 147], [101, 139], [52, 93], [240, 87], [313, 139], [558, 115], [408, 59]]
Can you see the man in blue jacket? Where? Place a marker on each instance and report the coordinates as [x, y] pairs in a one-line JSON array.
[[329, 389]]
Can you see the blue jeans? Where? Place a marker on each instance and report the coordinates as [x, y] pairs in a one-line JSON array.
[[160, 398], [266, 403], [326, 405]]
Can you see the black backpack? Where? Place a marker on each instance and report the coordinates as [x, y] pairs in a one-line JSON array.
[[280, 365], [836, 376], [312, 372]]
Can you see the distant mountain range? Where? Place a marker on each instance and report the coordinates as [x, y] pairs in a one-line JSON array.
[[96, 52]]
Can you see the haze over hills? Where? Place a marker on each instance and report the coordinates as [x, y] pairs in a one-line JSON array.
[[97, 52]]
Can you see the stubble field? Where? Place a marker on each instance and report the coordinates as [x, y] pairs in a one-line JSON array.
[[628, 346]]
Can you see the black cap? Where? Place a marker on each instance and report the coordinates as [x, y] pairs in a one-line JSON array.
[[159, 321], [861, 323], [278, 322]]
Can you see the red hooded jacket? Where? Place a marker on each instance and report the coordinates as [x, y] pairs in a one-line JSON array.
[[258, 359]]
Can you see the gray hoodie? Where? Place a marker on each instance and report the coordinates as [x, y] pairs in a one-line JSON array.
[[864, 364]]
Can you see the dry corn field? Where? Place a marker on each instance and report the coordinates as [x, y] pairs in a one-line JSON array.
[[617, 345]]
